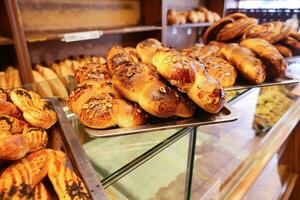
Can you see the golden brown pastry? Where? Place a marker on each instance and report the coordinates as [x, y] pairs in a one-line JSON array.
[[283, 50], [250, 67], [295, 35], [190, 77], [216, 16], [209, 17], [3, 82], [272, 59], [6, 106], [200, 16], [18, 180], [192, 16], [17, 79], [201, 52], [12, 147], [172, 17], [67, 185], [42, 86], [140, 83], [11, 125], [293, 43], [40, 192], [271, 31], [147, 48], [133, 53], [236, 16], [9, 77], [217, 44], [55, 83], [95, 72], [211, 32], [36, 111], [36, 138], [235, 29]]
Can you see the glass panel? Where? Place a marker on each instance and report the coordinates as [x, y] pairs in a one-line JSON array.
[[162, 177]]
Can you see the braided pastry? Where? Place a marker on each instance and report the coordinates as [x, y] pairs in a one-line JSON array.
[[271, 31], [6, 106], [272, 59], [67, 185], [40, 192], [35, 110], [140, 83], [250, 67], [235, 29], [283, 50], [18, 180]]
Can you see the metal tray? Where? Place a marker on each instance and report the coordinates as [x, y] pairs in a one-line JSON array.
[[63, 137], [227, 114], [289, 79]]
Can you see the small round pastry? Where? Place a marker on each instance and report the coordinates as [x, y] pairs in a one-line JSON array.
[[36, 138], [11, 125], [147, 48], [36, 111]]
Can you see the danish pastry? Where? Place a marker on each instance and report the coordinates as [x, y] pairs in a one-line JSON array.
[[36, 138], [36, 111], [11, 125]]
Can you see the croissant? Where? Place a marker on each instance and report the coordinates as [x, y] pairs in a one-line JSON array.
[[250, 67], [36, 111], [13, 147], [147, 48], [67, 185], [140, 83], [18, 180], [11, 124], [283, 50], [271, 31], [40, 192], [235, 29], [272, 59]]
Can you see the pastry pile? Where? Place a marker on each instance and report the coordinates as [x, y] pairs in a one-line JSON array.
[[238, 27], [24, 118], [200, 14], [135, 82]]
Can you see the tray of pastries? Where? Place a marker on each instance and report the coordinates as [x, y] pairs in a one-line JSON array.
[[146, 88], [240, 53], [33, 133]]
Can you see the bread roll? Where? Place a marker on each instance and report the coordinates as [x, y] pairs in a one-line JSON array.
[[42, 85], [36, 111], [55, 83], [250, 67], [272, 59], [192, 16], [172, 17], [190, 77], [201, 16], [140, 83]]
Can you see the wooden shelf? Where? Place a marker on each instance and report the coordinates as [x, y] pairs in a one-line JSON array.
[[190, 25], [123, 30], [5, 41]]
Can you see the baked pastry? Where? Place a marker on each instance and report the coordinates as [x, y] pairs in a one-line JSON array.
[[35, 138], [11, 125], [12, 147], [3, 82], [42, 86], [217, 44], [55, 83], [172, 17], [18, 180], [147, 48], [236, 16], [140, 83], [200, 16], [216, 16], [272, 59], [235, 29], [67, 185], [36, 111], [133, 53], [6, 106], [192, 16], [190, 77], [17, 79], [211, 32], [283, 50], [250, 67], [200, 53], [271, 32], [40, 192], [295, 34], [95, 72], [293, 43], [209, 17]]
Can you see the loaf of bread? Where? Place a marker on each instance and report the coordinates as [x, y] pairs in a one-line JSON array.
[[140, 83], [272, 59], [35, 110], [245, 61]]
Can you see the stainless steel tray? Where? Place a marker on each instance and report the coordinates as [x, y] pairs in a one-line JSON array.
[[289, 79], [74, 150], [227, 114]]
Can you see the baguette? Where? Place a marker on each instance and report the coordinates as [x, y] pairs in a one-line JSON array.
[[42, 85], [55, 83]]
